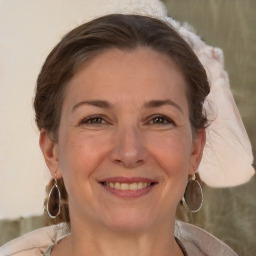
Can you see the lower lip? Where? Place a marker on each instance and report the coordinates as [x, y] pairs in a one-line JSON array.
[[129, 193]]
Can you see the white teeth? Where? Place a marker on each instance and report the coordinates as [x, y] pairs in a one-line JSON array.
[[140, 185], [126, 186], [133, 186], [146, 184]]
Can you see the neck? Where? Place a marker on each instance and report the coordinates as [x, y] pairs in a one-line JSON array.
[[92, 240]]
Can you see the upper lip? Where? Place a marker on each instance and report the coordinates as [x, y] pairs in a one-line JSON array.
[[127, 180]]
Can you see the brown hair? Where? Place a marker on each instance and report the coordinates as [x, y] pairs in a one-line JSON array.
[[125, 32]]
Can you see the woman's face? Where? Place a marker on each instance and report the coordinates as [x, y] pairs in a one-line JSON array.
[[125, 146]]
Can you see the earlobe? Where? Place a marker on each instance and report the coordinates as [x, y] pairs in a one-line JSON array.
[[50, 151], [197, 151]]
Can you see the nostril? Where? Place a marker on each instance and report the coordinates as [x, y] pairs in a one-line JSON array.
[[127, 155], [131, 163]]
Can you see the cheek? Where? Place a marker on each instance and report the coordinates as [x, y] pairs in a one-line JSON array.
[[172, 152], [80, 155]]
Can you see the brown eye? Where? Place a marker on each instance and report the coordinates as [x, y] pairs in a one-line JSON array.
[[159, 120], [162, 120], [93, 121]]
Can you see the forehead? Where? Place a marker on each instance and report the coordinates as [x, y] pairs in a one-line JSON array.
[[138, 74]]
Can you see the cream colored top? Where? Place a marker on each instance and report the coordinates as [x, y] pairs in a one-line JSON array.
[[196, 241]]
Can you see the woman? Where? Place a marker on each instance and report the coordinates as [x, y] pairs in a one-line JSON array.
[[119, 106]]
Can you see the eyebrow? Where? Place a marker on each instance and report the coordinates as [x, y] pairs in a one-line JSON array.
[[106, 104], [159, 103], [96, 103]]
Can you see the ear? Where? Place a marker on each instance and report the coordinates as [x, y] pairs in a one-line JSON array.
[[197, 151], [50, 151]]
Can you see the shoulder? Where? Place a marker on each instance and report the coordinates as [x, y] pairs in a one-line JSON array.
[[199, 242], [33, 243]]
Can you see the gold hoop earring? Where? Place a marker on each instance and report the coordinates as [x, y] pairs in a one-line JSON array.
[[193, 196], [53, 204]]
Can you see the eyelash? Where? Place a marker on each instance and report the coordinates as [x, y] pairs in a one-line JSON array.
[[88, 120], [166, 120], [91, 118]]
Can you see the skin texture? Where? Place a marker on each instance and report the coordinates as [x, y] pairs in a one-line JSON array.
[[129, 138]]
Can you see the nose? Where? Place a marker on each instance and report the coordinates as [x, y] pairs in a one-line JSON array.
[[129, 150]]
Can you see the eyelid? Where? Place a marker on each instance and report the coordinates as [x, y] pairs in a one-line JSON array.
[[106, 121], [170, 120], [84, 121]]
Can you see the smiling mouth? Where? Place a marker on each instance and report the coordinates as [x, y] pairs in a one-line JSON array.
[[128, 186]]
